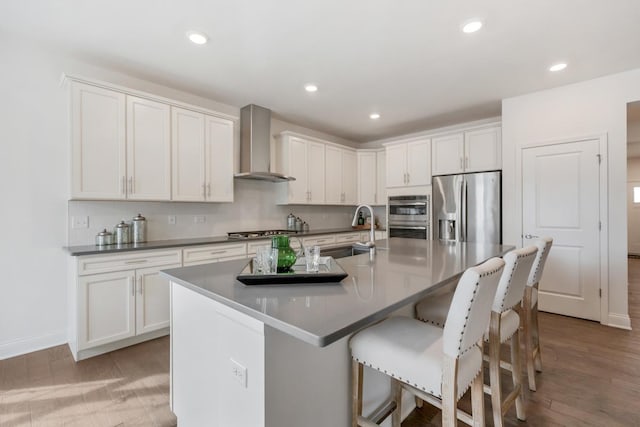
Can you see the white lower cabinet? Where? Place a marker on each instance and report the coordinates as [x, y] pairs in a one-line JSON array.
[[125, 303], [213, 253]]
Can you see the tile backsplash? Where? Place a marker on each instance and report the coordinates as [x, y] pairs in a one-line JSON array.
[[254, 208]]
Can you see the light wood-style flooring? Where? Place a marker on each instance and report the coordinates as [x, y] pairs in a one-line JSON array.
[[591, 378]]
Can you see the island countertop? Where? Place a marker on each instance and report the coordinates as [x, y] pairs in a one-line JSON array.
[[402, 272]]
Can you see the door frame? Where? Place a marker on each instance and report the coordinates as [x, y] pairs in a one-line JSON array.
[[603, 210]]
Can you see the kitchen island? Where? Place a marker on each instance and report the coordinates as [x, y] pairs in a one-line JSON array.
[[278, 356]]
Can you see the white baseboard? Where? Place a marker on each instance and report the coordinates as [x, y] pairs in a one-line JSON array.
[[622, 321], [27, 345]]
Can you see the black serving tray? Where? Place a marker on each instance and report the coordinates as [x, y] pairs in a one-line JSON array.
[[331, 272]]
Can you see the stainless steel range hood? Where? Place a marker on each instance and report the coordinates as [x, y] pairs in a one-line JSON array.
[[255, 145]]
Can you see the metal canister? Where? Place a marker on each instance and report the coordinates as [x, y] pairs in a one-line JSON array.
[[305, 226], [121, 232], [298, 224], [139, 229], [291, 222], [104, 238]]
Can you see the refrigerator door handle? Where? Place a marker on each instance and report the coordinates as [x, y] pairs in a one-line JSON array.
[[463, 213]]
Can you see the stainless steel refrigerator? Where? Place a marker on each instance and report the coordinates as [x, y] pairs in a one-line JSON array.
[[467, 207]]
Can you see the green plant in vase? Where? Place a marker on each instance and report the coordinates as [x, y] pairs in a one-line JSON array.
[[286, 255]]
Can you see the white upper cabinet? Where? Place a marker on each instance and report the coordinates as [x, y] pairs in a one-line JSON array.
[[98, 143], [188, 155], [470, 151], [305, 161], [127, 145], [341, 174], [483, 150], [448, 154], [367, 177], [372, 177], [148, 150], [202, 157], [218, 137], [409, 164]]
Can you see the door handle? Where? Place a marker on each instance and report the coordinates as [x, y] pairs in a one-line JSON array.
[[530, 236]]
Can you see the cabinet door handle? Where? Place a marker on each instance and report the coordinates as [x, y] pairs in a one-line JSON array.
[[123, 188], [204, 190], [139, 261], [133, 286], [130, 185], [408, 178], [133, 185], [140, 285], [461, 165], [217, 252], [530, 236], [209, 189], [309, 195], [466, 162]]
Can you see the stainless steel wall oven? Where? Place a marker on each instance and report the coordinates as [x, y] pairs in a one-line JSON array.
[[409, 216]]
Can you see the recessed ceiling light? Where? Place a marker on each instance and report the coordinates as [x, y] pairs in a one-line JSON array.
[[558, 67], [472, 26], [197, 38], [374, 116], [311, 87]]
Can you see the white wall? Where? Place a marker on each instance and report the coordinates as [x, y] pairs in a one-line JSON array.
[[34, 183], [589, 108]]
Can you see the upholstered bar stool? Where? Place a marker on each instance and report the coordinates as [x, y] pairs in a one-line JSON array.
[[503, 326], [529, 319], [438, 365]]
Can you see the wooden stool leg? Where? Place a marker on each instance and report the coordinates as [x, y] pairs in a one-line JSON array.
[[536, 338], [528, 338], [396, 390], [494, 368], [449, 392], [356, 392], [516, 374], [477, 399]]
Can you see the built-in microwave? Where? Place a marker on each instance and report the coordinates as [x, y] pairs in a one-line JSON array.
[[408, 216]]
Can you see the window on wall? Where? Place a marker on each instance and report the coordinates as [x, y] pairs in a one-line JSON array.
[[636, 194]]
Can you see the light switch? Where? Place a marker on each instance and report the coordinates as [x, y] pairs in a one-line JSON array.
[[80, 222]]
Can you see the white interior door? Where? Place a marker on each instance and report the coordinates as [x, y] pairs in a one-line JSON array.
[[560, 198], [633, 217]]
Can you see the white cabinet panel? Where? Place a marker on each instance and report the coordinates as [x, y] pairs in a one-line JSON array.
[[333, 175], [188, 170], [419, 163], [219, 159], [381, 178], [396, 165], [152, 299], [409, 164], [297, 167], [347, 238], [448, 154], [349, 177], [315, 167], [106, 308], [483, 151], [367, 177], [148, 150], [98, 143], [470, 151]]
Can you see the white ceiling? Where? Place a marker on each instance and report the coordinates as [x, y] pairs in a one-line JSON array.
[[407, 60]]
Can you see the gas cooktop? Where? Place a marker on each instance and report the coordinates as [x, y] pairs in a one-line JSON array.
[[241, 235]]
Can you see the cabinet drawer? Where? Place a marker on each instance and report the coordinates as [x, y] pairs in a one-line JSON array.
[[108, 263], [252, 247], [348, 237], [321, 241], [211, 253]]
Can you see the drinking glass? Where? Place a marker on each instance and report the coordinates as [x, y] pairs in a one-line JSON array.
[[312, 256], [263, 259]]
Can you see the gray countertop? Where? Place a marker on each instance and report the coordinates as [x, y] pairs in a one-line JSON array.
[[403, 272], [174, 243]]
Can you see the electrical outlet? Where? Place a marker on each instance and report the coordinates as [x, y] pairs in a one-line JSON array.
[[80, 222], [199, 219], [239, 373], [171, 219]]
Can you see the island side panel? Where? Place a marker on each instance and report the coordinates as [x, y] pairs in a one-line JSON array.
[[211, 345]]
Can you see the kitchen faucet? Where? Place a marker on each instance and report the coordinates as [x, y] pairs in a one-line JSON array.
[[371, 244]]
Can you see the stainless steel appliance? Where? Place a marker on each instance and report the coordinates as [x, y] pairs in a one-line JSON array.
[[467, 207], [408, 216]]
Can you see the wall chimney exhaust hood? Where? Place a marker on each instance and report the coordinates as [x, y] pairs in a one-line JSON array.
[[255, 145]]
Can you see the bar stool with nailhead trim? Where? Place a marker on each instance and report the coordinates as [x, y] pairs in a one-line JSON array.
[[504, 326], [437, 365], [529, 319]]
